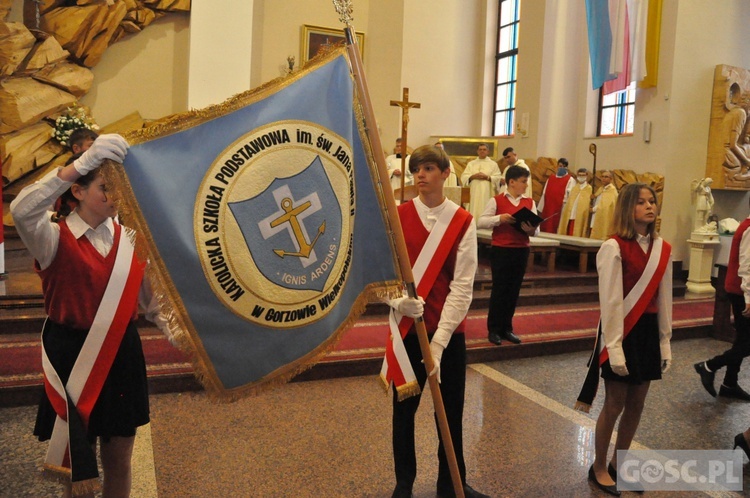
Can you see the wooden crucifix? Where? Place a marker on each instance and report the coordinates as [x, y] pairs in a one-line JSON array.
[[405, 105]]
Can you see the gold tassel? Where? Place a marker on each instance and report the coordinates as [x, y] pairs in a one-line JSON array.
[[582, 407], [87, 487], [384, 384], [408, 390], [62, 475]]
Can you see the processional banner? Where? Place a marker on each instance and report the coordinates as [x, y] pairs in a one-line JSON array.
[[265, 225]]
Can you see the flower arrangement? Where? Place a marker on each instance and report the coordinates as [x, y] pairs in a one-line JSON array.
[[75, 117]]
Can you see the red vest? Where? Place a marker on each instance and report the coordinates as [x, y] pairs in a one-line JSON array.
[[505, 235], [553, 202], [75, 282], [733, 281], [633, 264], [416, 235]]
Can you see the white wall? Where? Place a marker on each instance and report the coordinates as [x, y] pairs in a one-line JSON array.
[[442, 67], [208, 47]]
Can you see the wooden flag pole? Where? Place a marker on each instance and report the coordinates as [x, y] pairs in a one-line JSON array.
[[403, 255], [592, 150], [405, 105]]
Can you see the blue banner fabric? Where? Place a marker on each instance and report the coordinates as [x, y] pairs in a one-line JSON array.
[[600, 41], [264, 215]]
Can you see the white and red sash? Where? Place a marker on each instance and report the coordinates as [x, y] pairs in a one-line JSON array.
[[91, 368], [396, 366], [634, 304], [644, 290]]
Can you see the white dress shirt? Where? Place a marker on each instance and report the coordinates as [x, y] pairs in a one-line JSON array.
[[744, 268], [31, 211], [488, 218]]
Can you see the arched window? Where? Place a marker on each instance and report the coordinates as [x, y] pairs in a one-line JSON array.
[[506, 63], [616, 112]]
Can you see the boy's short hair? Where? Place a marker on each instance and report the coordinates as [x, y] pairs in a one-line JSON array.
[[516, 172], [429, 154], [79, 135], [506, 150], [564, 161], [582, 170]]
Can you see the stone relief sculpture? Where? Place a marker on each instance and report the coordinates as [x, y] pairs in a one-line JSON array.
[[728, 160], [736, 147]]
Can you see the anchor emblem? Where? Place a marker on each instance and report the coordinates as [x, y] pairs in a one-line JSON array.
[[290, 216]]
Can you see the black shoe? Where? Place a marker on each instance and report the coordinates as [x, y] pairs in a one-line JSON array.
[[707, 377], [735, 392], [495, 338], [739, 440], [509, 336], [401, 493], [613, 474], [469, 492], [612, 490]]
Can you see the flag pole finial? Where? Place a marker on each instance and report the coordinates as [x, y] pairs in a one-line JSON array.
[[345, 9]]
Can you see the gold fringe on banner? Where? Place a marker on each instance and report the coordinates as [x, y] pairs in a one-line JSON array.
[[408, 390], [172, 306], [62, 475]]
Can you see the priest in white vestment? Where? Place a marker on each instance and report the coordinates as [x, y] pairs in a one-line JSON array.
[[393, 162], [481, 176]]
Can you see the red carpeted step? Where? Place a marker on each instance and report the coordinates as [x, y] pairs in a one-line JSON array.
[[544, 329]]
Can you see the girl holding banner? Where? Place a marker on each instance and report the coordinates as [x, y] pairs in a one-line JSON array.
[[94, 369], [633, 345]]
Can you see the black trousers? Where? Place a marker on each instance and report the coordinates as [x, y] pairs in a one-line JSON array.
[[732, 357], [452, 387], [508, 269]]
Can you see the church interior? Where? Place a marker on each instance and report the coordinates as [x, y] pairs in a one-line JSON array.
[[328, 432]]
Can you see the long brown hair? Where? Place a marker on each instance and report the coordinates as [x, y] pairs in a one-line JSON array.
[[627, 200], [67, 201]]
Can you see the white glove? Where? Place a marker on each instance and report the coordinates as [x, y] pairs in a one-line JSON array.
[[111, 146], [163, 324], [665, 365], [409, 306], [620, 370], [437, 354]]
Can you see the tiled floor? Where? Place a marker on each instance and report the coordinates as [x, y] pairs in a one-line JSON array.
[[332, 438]]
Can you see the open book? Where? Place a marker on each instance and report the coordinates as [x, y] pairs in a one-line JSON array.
[[526, 214]]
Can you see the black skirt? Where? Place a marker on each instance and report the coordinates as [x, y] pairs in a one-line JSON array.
[[642, 353], [123, 402]]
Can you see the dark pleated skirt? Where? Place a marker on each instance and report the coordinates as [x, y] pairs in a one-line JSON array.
[[123, 403], [642, 353]]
